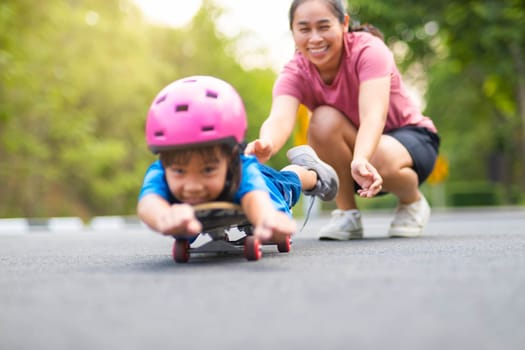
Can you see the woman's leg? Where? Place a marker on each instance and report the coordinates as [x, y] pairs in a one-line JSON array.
[[332, 136], [394, 164]]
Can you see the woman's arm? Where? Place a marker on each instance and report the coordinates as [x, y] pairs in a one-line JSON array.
[[276, 129], [374, 98]]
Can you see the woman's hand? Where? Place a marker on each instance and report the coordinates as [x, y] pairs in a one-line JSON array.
[[262, 149], [366, 176], [178, 220]]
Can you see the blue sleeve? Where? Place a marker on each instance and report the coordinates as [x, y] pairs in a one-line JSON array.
[[155, 183], [251, 178]]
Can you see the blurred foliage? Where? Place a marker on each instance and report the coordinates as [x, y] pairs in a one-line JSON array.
[[472, 54], [77, 78]]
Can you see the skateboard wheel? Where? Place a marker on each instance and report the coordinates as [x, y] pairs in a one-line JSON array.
[[284, 246], [252, 248], [181, 250]]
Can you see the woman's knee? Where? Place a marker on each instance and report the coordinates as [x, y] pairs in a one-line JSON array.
[[390, 157], [325, 123]]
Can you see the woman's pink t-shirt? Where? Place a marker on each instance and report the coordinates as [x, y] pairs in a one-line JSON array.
[[365, 57]]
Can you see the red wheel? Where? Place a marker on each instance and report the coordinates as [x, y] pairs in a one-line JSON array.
[[252, 248], [181, 250], [284, 246]]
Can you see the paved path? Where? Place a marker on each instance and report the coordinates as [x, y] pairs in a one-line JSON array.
[[460, 286]]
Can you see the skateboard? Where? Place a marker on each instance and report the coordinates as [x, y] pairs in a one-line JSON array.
[[218, 219]]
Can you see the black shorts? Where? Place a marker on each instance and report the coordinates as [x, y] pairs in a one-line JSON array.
[[422, 145]]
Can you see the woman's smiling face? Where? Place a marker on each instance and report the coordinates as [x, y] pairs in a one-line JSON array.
[[318, 34]]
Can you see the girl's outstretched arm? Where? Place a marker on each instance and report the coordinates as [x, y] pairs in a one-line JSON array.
[[268, 223], [166, 218]]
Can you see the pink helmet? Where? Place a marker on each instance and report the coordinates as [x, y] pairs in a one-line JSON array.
[[195, 110]]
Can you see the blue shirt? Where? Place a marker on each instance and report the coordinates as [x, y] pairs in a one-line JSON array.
[[284, 187]]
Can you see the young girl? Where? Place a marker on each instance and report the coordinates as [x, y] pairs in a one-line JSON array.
[[197, 126], [363, 122]]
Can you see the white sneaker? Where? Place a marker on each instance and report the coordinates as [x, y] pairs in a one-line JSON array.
[[410, 219], [343, 225]]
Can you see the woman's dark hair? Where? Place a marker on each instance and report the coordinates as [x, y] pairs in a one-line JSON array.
[[336, 6], [209, 153], [338, 9], [366, 27]]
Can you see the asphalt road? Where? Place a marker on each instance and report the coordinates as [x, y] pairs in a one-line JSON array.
[[460, 286]]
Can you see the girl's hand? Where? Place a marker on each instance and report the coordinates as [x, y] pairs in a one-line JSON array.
[[366, 175], [179, 220], [275, 227], [262, 149]]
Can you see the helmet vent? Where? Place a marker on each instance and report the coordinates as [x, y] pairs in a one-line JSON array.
[[159, 133], [181, 108], [208, 128], [211, 94], [161, 99]]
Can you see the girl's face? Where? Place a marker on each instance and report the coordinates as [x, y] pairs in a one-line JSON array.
[[318, 34], [198, 179]]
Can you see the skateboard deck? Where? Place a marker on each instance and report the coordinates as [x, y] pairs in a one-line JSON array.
[[215, 215], [218, 219]]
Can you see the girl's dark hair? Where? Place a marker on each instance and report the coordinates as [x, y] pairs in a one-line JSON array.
[[338, 9], [209, 153]]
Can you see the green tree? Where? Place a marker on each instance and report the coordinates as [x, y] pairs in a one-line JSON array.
[[472, 53], [71, 107], [76, 81]]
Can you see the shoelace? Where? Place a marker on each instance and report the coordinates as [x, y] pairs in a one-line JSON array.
[[312, 201]]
